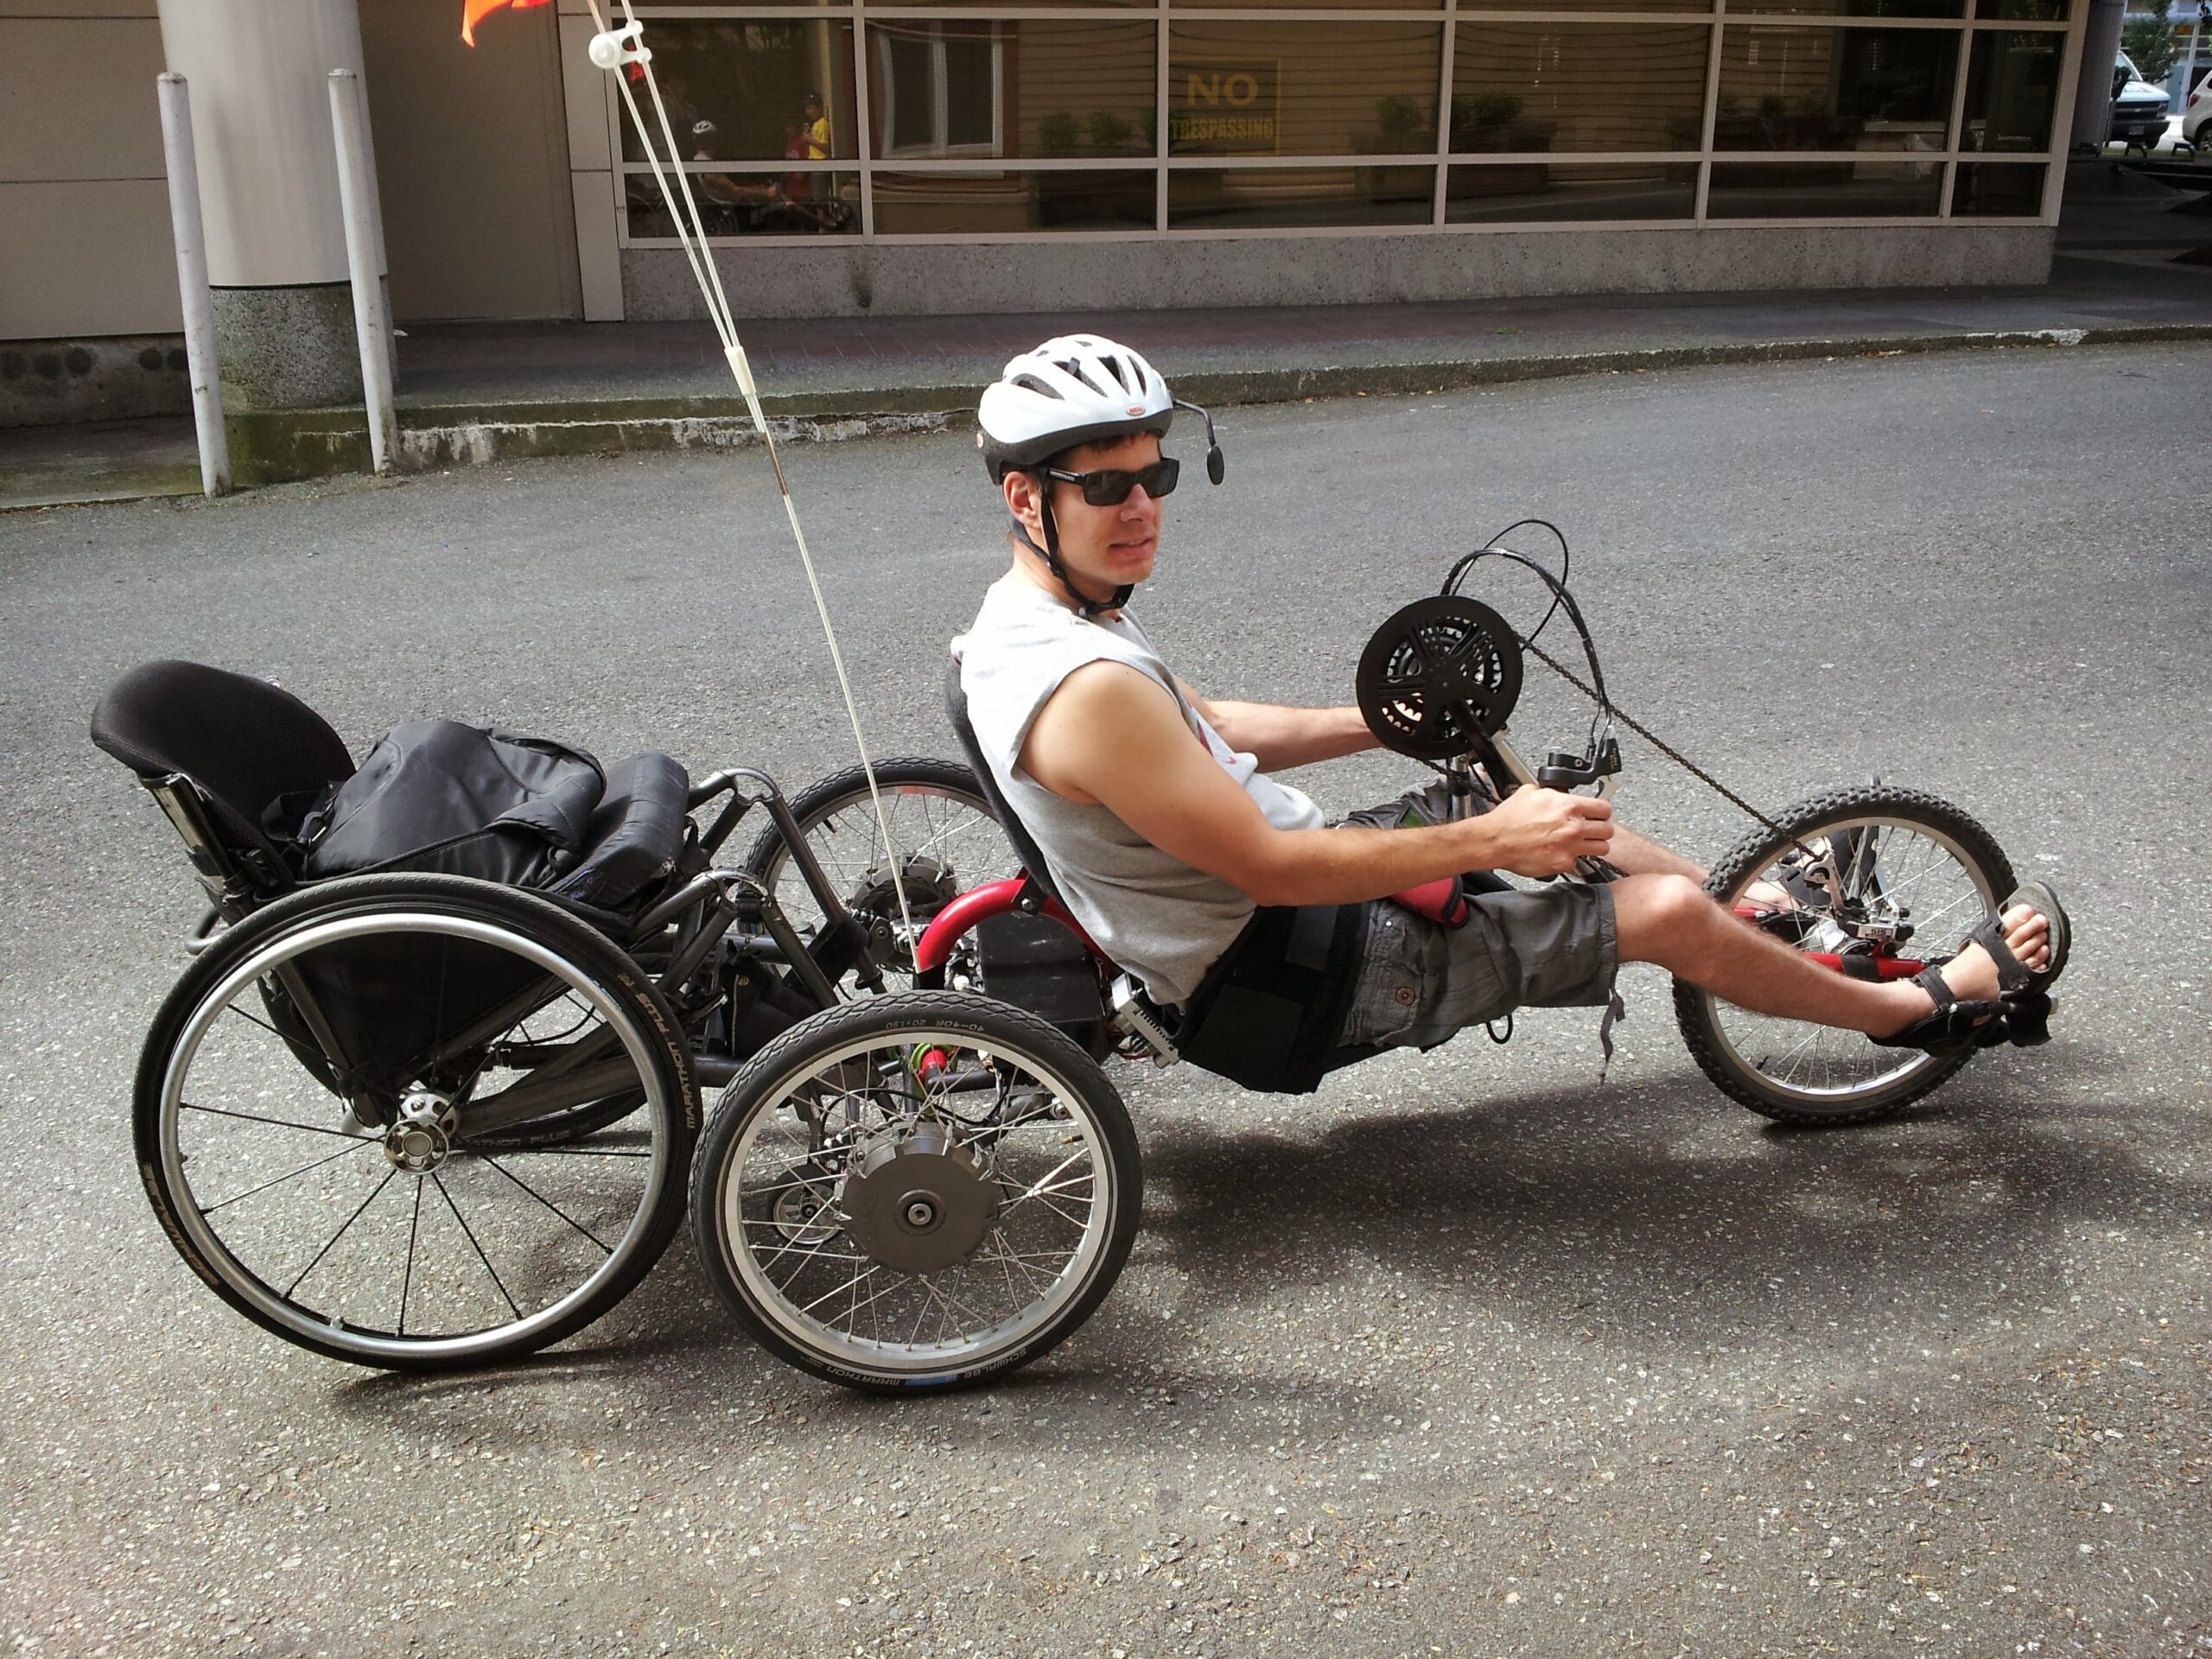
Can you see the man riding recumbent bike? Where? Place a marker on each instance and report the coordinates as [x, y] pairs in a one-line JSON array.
[[427, 1093]]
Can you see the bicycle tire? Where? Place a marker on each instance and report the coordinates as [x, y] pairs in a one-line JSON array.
[[1895, 1077]]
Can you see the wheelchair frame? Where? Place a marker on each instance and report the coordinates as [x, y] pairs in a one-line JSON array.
[[671, 940]]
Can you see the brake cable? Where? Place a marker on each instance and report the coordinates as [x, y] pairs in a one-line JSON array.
[[1608, 712]]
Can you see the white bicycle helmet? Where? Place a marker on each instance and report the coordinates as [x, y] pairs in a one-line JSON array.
[[1076, 389], [1073, 389]]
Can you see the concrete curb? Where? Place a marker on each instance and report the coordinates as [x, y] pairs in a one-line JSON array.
[[275, 446]]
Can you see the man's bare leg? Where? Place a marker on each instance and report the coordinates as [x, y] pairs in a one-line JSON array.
[[1667, 919], [1636, 854]]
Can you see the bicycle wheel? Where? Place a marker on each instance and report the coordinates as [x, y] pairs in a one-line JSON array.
[[941, 822], [916, 1193], [1889, 874], [407, 1244]]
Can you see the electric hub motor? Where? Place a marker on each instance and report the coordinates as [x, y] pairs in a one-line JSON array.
[[1439, 676], [919, 1201]]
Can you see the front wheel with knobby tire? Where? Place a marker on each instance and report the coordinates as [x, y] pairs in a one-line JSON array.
[[1877, 880], [303, 1121], [916, 1193]]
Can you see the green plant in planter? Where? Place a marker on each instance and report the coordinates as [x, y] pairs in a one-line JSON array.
[[1399, 117], [1110, 132], [1058, 134], [1478, 118]]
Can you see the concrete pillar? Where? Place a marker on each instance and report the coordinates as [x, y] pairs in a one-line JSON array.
[[260, 72], [2093, 91]]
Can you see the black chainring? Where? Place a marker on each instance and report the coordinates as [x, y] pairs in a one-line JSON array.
[[1439, 676]]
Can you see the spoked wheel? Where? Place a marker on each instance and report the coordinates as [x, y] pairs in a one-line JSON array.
[[946, 838], [303, 1121], [1891, 877], [916, 1193]]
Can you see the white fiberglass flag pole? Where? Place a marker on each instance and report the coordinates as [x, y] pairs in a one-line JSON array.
[[616, 50]]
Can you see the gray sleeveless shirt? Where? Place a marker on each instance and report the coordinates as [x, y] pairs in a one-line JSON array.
[[1161, 919]]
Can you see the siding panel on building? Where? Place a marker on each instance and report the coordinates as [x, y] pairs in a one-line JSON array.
[[83, 192]]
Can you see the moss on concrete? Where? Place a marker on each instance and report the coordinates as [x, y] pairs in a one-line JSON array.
[[276, 446]]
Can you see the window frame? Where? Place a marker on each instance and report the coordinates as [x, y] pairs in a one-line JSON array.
[[1445, 15]]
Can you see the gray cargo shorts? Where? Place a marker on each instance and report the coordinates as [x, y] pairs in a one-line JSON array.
[[1418, 982]]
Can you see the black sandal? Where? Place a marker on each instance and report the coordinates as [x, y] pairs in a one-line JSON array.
[[1953, 1026], [2025, 991]]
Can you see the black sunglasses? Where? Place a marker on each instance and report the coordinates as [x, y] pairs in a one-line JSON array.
[[1110, 486]]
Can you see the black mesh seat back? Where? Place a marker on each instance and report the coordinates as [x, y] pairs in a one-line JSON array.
[[243, 741], [956, 709]]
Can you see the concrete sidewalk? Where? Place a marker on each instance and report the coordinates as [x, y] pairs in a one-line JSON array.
[[490, 391]]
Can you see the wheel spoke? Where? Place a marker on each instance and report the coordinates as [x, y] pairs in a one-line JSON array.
[[547, 1201], [389, 1176], [235, 1198], [407, 1279], [276, 1123], [256, 1019], [470, 1233]]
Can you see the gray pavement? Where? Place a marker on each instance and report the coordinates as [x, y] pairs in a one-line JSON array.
[[1467, 1354]]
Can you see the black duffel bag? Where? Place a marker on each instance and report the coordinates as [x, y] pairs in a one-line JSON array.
[[440, 797]]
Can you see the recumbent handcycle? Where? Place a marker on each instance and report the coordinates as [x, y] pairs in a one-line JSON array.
[[424, 1119]]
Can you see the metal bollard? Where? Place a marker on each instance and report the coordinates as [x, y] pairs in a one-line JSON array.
[[190, 235], [357, 205]]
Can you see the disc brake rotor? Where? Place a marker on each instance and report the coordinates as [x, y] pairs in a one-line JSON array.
[[1439, 675], [874, 902]]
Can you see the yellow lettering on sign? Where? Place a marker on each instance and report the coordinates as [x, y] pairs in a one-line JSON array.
[[1241, 88], [1206, 87]]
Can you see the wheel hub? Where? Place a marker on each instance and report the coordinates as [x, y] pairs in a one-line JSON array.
[[800, 1208], [421, 1137], [920, 1202], [874, 901]]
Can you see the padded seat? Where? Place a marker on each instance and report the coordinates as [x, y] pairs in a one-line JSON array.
[[637, 834], [245, 744]]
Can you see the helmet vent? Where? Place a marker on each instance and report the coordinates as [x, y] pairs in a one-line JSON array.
[[1042, 387], [1074, 367]]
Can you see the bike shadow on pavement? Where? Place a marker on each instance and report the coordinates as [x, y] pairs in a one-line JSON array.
[[1618, 1202], [1656, 1213]]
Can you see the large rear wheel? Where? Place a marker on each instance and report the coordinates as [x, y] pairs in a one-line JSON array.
[[303, 1121]]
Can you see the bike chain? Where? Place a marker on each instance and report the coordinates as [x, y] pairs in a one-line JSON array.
[[1663, 747]]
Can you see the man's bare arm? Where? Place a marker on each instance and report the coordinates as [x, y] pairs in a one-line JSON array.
[[1279, 735], [1112, 736]]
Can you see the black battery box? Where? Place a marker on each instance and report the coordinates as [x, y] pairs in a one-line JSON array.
[[1036, 964]]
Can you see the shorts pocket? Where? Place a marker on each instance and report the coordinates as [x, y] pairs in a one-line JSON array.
[[1395, 982]]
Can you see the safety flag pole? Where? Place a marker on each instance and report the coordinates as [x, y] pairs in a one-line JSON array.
[[621, 52]]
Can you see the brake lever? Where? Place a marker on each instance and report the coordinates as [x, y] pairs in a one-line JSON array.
[[1564, 769]]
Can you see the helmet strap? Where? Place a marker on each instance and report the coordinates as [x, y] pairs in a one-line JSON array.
[[1085, 607]]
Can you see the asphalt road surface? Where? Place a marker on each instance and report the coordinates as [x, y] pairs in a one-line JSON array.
[[1468, 1354]]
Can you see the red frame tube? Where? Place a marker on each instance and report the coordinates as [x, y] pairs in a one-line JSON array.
[[934, 949]]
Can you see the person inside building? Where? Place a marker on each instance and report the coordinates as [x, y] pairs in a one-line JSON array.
[[1165, 835]]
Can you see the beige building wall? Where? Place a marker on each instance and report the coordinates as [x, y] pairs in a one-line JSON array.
[[471, 157], [85, 243]]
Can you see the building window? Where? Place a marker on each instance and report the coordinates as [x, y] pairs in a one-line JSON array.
[[1060, 117], [937, 89]]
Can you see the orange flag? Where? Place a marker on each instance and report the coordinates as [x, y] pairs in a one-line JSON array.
[[474, 11]]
